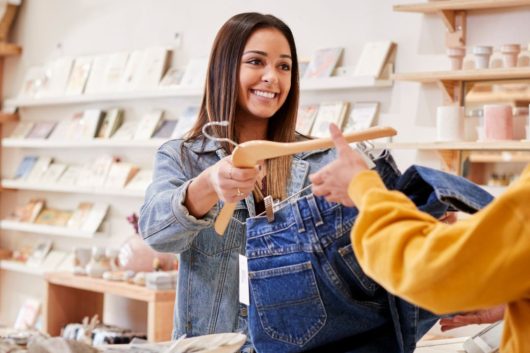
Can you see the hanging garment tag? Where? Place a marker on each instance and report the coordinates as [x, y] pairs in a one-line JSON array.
[[244, 291]]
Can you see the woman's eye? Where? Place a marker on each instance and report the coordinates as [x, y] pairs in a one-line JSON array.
[[285, 67], [254, 62]]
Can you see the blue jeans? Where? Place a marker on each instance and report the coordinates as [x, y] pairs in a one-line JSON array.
[[309, 293]]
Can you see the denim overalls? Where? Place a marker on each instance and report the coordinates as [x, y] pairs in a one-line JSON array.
[[309, 293]]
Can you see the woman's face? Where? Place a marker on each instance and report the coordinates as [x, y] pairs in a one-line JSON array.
[[265, 73]]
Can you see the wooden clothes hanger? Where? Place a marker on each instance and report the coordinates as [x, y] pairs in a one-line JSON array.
[[247, 155]]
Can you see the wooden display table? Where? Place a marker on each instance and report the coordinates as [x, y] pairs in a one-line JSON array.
[[69, 298]]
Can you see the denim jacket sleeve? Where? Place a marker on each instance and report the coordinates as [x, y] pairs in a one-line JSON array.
[[165, 222]]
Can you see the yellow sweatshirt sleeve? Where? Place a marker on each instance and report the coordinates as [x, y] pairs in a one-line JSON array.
[[475, 263]]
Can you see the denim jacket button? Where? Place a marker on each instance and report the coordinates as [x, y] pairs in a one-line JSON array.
[[243, 311]]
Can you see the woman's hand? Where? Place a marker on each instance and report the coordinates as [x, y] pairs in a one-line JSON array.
[[231, 184], [487, 316], [333, 180]]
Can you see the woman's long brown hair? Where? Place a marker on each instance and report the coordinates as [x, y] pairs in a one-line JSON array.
[[220, 100]]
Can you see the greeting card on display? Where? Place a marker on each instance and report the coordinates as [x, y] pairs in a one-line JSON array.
[[362, 116], [97, 74], [195, 73], [57, 74], [148, 125], [132, 69], [120, 174], [126, 131], [373, 58], [39, 252], [80, 215], [29, 212], [53, 260], [115, 72], [333, 112], [39, 169], [166, 129], [141, 180], [186, 121], [323, 62], [172, 77], [90, 123], [52, 174], [53, 217], [95, 217], [33, 83], [27, 315], [306, 118], [154, 63], [99, 170], [110, 124], [79, 76], [22, 130], [67, 129], [41, 130], [70, 176], [25, 166]]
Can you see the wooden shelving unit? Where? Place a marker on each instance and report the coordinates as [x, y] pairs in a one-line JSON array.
[[69, 298], [9, 49]]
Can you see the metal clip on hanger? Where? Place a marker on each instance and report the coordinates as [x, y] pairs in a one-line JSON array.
[[364, 148], [247, 155]]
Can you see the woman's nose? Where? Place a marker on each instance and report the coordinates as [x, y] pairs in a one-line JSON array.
[[269, 76]]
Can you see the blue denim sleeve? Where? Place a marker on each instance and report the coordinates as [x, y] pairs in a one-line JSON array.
[[165, 222]]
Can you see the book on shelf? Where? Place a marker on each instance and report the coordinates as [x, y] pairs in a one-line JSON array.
[[80, 215], [53, 217], [97, 74], [41, 130], [141, 180], [39, 253], [53, 173], [39, 169], [79, 75], [22, 130], [28, 315], [153, 65], [114, 72], [148, 125], [362, 116], [89, 124], [28, 213], [195, 73], [25, 166], [186, 121], [172, 77], [330, 112], [70, 176], [120, 174], [110, 124], [305, 118], [57, 74], [323, 62], [373, 58], [126, 131], [166, 129]]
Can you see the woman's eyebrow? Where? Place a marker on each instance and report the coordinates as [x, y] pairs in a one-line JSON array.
[[265, 54]]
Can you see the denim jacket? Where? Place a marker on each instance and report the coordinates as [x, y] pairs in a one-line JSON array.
[[207, 291]]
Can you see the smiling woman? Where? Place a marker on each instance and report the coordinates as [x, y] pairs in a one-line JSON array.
[[253, 84]]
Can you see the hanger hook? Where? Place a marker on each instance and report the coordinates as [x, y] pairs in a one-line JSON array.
[[215, 138]]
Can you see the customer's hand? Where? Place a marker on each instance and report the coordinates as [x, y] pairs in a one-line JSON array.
[[332, 181], [231, 184], [487, 316]]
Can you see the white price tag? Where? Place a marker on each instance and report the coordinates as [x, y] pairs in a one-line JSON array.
[[244, 291]]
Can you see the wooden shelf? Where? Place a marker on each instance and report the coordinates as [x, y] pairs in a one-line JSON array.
[[461, 146], [64, 292], [502, 157], [466, 75], [5, 118], [459, 5], [16, 266], [21, 185], [35, 143], [9, 49], [46, 229]]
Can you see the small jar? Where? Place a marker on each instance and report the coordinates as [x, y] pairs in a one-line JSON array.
[[498, 122], [482, 56], [456, 55], [510, 53]]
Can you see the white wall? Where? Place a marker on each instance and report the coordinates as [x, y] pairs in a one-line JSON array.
[[48, 29]]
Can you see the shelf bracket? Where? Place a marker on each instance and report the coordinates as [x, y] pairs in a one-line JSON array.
[[455, 21], [449, 88], [452, 160]]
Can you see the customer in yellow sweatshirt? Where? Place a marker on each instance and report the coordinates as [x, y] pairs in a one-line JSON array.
[[476, 263]]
